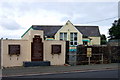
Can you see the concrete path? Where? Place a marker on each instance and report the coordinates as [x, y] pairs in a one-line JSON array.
[[42, 70]]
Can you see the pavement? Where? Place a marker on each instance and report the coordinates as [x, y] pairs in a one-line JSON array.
[[42, 70]]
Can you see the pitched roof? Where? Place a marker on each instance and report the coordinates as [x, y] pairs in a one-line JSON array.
[[89, 30], [50, 30]]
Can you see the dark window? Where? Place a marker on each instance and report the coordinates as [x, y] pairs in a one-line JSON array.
[[85, 42], [75, 38], [75, 43], [71, 43]]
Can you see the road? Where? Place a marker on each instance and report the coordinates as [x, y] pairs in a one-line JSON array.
[[101, 71], [82, 74]]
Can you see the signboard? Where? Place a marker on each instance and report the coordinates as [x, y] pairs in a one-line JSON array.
[[89, 52], [56, 49], [14, 49]]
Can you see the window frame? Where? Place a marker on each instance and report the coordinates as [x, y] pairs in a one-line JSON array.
[[72, 38], [63, 36]]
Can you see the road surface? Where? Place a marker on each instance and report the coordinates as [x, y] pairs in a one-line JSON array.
[[83, 74]]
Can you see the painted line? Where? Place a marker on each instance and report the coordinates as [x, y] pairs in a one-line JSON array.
[[85, 70]]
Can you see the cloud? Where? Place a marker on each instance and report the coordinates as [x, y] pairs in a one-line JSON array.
[[9, 24], [119, 9], [16, 34], [31, 1], [21, 14]]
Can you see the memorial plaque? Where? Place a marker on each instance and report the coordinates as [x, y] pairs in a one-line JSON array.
[[56, 49], [14, 49], [37, 49]]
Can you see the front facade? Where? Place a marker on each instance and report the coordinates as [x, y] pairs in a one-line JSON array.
[[75, 34], [47, 43], [32, 47]]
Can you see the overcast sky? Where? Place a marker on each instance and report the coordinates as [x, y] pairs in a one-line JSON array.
[[16, 16]]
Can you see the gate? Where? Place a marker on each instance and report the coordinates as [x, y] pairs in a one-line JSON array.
[[67, 52]]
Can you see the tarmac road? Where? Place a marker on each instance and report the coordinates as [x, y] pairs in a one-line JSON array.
[[83, 74], [80, 71]]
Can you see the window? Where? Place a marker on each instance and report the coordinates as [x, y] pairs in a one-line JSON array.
[[73, 38], [63, 36], [85, 42]]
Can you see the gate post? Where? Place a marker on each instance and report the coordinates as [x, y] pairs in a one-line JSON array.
[[89, 60], [102, 58]]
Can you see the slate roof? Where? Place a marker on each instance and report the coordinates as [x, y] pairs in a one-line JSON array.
[[89, 30], [50, 30]]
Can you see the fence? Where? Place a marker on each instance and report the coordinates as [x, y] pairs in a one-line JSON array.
[[99, 54]]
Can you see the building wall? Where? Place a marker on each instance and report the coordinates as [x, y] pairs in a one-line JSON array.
[[14, 60], [88, 40], [26, 36], [54, 59], [25, 50], [68, 27], [0, 53], [30, 34], [95, 40], [36, 32]]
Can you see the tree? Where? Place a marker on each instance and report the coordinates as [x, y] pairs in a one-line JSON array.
[[103, 39], [114, 31]]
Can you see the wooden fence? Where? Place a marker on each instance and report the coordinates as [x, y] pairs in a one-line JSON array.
[[99, 54]]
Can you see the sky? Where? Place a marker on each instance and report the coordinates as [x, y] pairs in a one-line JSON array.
[[16, 16]]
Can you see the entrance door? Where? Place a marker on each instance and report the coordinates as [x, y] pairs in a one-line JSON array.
[[37, 49]]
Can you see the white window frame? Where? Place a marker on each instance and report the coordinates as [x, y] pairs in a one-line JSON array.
[[73, 40], [63, 35]]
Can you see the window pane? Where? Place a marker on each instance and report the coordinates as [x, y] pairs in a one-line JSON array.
[[65, 36], [61, 36], [71, 36], [75, 34], [85, 42], [75, 38], [71, 43], [75, 43]]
